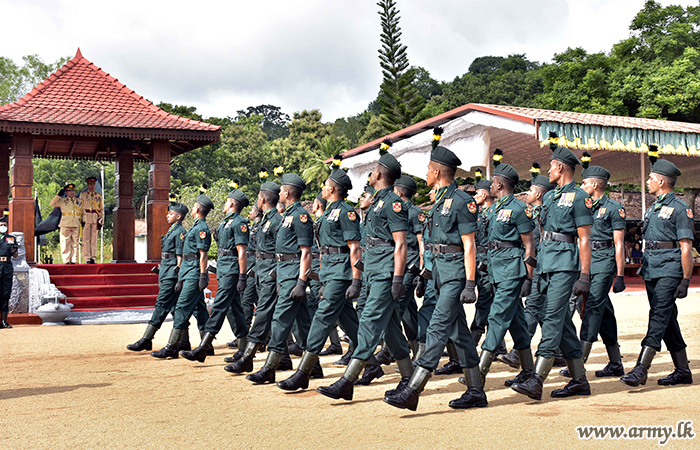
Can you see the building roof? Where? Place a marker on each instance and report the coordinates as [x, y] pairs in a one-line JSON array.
[[80, 99]]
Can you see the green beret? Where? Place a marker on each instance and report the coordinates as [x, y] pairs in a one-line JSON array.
[[445, 156], [665, 167], [543, 182], [205, 201], [178, 208], [407, 182], [566, 156], [321, 200], [341, 179], [240, 196], [293, 179], [506, 171], [596, 172], [369, 189], [270, 186], [483, 184], [387, 160]]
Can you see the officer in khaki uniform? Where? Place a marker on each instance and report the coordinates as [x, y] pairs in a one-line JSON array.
[[71, 214], [667, 267], [93, 214], [8, 249]]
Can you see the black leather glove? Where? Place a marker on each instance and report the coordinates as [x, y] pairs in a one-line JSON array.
[[242, 283], [320, 290], [682, 289], [353, 291], [203, 280], [527, 288], [619, 284], [419, 283], [583, 284], [176, 270], [397, 288], [178, 286], [299, 291], [468, 294], [61, 192]]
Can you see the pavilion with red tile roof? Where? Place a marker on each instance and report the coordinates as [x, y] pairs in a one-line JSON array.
[[81, 112]]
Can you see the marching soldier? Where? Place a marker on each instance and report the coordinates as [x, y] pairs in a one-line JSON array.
[[425, 287], [483, 200], [93, 214], [8, 249], [71, 213], [666, 267]]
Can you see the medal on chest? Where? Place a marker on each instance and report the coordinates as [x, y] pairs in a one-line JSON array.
[[287, 223], [446, 207], [379, 206], [228, 224], [567, 200], [601, 213], [504, 215], [266, 227], [666, 212], [334, 215]]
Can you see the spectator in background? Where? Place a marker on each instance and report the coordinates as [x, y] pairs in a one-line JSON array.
[[636, 254]]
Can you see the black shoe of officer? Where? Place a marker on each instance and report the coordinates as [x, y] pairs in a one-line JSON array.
[[462, 380], [559, 361], [384, 357], [185, 345], [232, 344], [169, 351], [450, 368], [263, 376], [400, 387], [236, 356], [532, 387], [522, 377], [140, 345], [473, 397], [565, 372], [299, 380], [681, 375], [285, 363], [245, 364], [512, 359], [406, 398], [210, 350], [198, 354], [372, 372], [5, 324], [637, 376], [345, 360], [316, 371], [577, 386], [294, 349], [613, 369], [340, 389], [333, 349]]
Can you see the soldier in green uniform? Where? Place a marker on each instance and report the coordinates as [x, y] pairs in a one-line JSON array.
[[193, 277], [170, 261], [452, 225], [293, 255], [339, 243], [564, 268], [511, 261], [231, 268], [385, 258], [8, 249], [607, 267], [425, 287], [265, 274], [483, 200], [667, 267]]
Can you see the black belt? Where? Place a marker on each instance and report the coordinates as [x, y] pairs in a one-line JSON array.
[[287, 256], [251, 255], [334, 250], [412, 248], [441, 249], [496, 245], [561, 237], [190, 256], [654, 245], [316, 255], [227, 252], [601, 244], [264, 255], [167, 255], [482, 249], [378, 242]]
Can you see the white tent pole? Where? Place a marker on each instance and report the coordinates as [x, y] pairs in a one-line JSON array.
[[644, 197]]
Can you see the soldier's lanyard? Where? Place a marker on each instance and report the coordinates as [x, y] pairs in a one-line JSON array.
[[596, 203], [501, 201], [558, 191], [93, 205], [441, 195], [659, 202]]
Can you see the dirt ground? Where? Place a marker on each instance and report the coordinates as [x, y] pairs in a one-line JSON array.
[[77, 387]]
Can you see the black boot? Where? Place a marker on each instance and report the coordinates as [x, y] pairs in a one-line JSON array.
[[475, 395], [267, 373], [3, 320], [199, 353], [522, 377], [146, 342], [345, 359], [317, 371], [399, 387], [384, 357], [344, 387], [525, 360], [533, 386], [333, 349], [232, 344], [294, 349], [407, 398], [372, 372], [614, 368], [577, 386], [235, 357], [308, 368], [511, 358], [299, 380], [171, 348], [638, 375], [185, 340], [681, 374], [586, 348], [450, 368], [245, 363], [285, 363]]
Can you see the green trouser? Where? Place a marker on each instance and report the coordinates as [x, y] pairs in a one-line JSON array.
[[267, 299], [312, 299], [483, 302], [558, 329], [227, 299], [448, 322], [286, 312], [380, 316], [534, 305], [663, 315], [333, 308], [248, 301], [190, 300], [507, 314], [599, 314], [408, 308], [425, 313], [167, 297], [362, 299], [6, 274]]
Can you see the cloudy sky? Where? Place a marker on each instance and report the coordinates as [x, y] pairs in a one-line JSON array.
[[222, 56]]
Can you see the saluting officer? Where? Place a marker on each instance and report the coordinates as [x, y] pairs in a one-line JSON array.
[[170, 261], [71, 213], [564, 268], [93, 214], [231, 268], [8, 249], [666, 267]]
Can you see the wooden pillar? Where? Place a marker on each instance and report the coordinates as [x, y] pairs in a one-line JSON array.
[[21, 181], [158, 190], [123, 215], [4, 172]]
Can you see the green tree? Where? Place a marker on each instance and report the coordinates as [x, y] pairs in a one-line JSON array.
[[274, 121], [16, 80], [317, 170]]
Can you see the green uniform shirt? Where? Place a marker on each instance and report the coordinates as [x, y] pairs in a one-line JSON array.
[[506, 220], [171, 243], [386, 215], [416, 218], [482, 237], [252, 245], [197, 238], [233, 231], [266, 235], [564, 210], [668, 219], [338, 224], [295, 229], [608, 215], [427, 254]]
